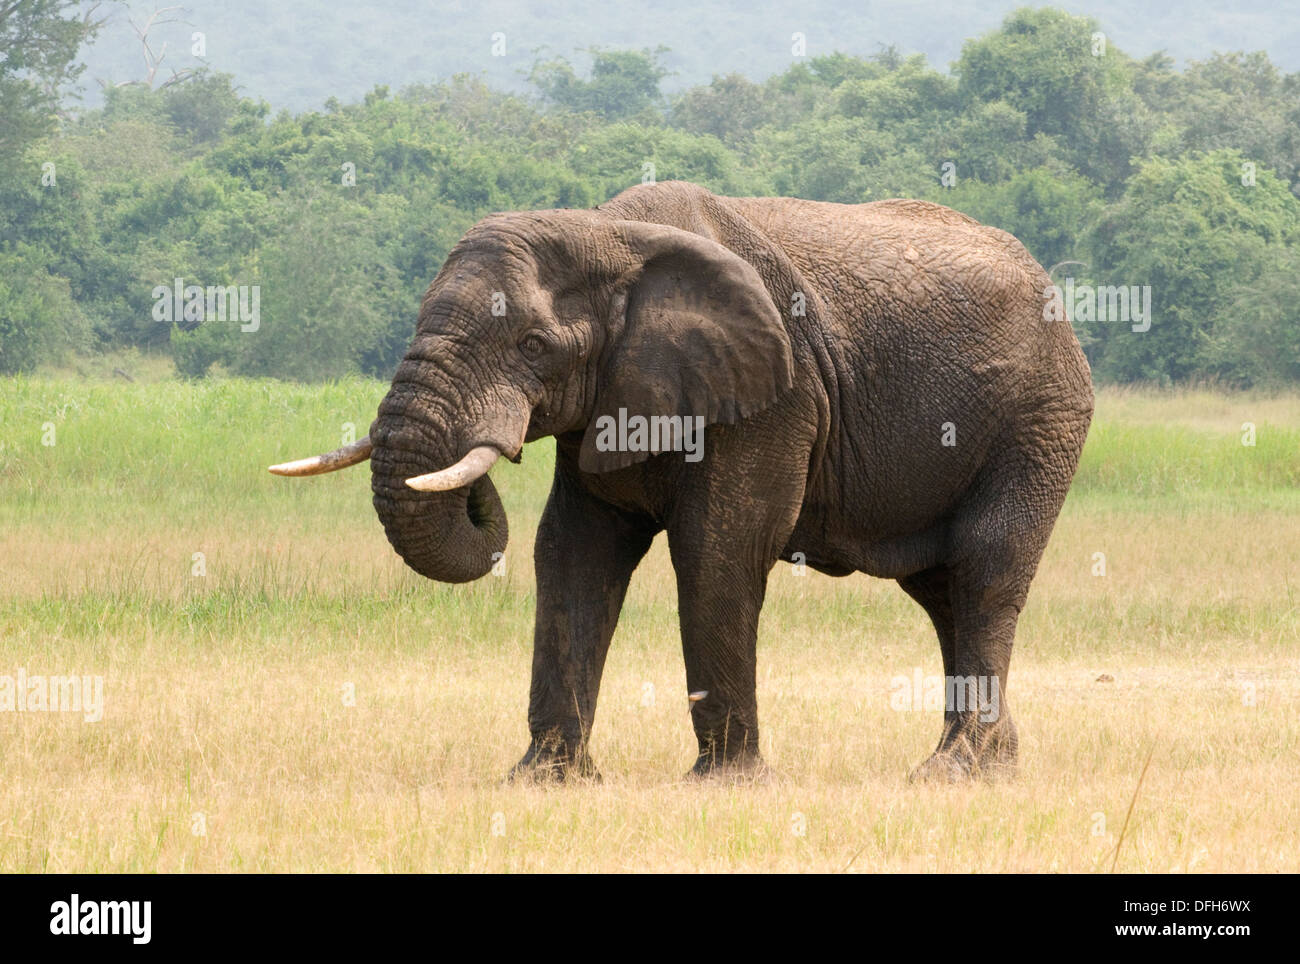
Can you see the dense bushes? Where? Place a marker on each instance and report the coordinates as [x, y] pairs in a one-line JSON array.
[[38, 317]]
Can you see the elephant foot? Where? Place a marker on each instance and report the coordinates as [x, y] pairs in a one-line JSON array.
[[741, 768], [550, 761], [985, 753], [944, 766]]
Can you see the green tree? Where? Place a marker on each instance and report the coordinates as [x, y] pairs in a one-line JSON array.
[[730, 108], [328, 292], [1049, 211], [1192, 230], [843, 159], [39, 321], [1258, 339], [615, 157], [623, 83], [200, 107], [39, 40], [1069, 85], [1242, 101]]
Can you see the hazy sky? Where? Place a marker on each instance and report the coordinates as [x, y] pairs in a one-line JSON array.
[[296, 53]]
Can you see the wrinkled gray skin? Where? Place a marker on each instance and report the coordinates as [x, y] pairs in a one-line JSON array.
[[826, 345]]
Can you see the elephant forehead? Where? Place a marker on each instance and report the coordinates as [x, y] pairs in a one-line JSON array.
[[540, 236], [491, 295]]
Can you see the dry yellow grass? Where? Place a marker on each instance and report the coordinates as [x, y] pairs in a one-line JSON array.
[[227, 709]]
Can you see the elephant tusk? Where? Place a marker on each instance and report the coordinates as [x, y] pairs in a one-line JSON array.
[[472, 466], [358, 451]]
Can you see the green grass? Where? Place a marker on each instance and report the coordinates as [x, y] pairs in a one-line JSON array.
[[187, 445], [223, 681]]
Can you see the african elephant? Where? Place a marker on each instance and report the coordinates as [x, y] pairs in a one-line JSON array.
[[882, 394]]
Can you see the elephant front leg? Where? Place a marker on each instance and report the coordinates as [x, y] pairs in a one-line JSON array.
[[584, 556], [732, 519], [719, 600]]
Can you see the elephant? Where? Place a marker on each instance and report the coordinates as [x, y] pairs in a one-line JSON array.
[[868, 388]]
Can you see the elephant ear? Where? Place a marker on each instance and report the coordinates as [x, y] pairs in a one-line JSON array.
[[699, 336]]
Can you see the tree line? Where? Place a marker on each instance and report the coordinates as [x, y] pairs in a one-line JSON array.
[[1119, 174]]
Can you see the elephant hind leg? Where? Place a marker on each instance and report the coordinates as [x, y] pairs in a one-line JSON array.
[[932, 589], [995, 542], [979, 736], [967, 746]]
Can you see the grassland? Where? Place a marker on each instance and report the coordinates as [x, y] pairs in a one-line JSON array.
[[294, 699]]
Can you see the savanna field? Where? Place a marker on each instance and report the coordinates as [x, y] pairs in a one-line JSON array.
[[281, 694]]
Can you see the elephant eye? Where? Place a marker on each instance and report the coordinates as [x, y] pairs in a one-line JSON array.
[[532, 345]]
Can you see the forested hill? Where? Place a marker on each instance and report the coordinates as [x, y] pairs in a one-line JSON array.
[[296, 54], [1167, 199]]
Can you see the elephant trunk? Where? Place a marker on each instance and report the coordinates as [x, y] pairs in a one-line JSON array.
[[450, 536]]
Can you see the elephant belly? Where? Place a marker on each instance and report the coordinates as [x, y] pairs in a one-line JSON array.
[[826, 542]]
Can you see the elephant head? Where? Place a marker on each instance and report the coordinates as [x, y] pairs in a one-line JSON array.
[[538, 324]]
